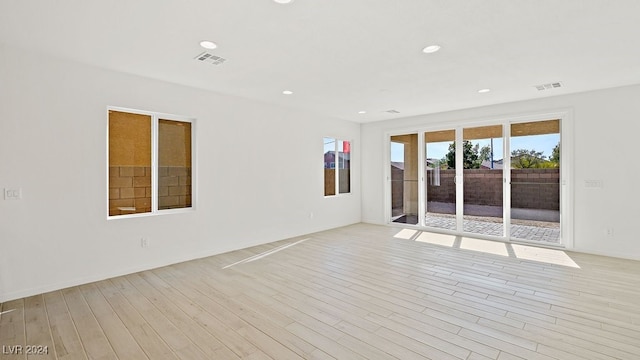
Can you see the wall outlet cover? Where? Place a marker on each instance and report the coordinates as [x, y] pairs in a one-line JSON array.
[[13, 193]]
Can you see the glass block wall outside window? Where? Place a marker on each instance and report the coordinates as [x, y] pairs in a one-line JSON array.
[[150, 163]]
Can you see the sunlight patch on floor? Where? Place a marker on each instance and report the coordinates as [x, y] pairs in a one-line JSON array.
[[437, 239], [518, 251], [485, 246], [264, 254], [6, 312], [406, 234], [549, 256]]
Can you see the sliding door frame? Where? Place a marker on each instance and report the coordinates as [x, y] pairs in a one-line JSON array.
[[566, 172]]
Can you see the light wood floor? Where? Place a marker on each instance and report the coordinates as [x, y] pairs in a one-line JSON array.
[[356, 292]]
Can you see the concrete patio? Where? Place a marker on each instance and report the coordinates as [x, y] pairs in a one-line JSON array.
[[526, 224]]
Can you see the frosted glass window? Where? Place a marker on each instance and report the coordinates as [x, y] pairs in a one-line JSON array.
[[150, 163]]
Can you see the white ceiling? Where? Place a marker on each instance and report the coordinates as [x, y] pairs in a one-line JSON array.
[[343, 56]]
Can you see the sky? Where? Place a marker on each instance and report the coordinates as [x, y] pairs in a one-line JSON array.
[[544, 143]]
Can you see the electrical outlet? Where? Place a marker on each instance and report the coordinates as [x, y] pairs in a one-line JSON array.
[[144, 242], [609, 232], [594, 184], [12, 193]]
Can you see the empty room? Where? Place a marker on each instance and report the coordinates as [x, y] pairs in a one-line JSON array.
[[319, 179]]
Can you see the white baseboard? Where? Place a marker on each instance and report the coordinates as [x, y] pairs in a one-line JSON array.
[[99, 277]]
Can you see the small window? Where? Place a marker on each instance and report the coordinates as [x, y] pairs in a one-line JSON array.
[[337, 166], [150, 163]]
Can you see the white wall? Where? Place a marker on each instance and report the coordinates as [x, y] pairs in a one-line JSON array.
[[259, 175], [606, 147]]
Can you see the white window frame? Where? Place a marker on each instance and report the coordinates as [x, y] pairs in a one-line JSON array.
[[155, 119], [335, 165]]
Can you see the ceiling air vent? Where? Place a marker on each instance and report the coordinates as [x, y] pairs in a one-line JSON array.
[[210, 58], [548, 86], [393, 111]]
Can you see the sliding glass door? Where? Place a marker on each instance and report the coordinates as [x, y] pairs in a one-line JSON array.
[[440, 175], [499, 180], [482, 180], [535, 181], [404, 179]]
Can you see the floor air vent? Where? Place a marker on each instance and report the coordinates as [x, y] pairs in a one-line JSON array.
[[210, 58]]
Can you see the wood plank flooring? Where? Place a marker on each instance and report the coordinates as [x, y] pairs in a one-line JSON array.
[[357, 292]]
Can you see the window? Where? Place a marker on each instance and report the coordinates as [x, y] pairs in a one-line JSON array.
[[150, 163], [337, 166]]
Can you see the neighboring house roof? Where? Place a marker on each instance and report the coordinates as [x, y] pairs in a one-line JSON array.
[[400, 164], [497, 164], [329, 156]]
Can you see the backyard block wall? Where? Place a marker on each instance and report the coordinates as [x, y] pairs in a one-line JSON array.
[[397, 187], [174, 187], [541, 191], [130, 189], [484, 187]]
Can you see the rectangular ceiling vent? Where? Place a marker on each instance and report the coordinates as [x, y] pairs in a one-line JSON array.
[[548, 86], [393, 111], [210, 58]]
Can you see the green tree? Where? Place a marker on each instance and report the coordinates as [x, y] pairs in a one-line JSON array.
[[485, 153], [470, 156], [527, 159], [555, 155]]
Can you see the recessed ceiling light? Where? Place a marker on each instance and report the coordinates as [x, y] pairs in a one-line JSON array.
[[283, 1], [208, 44], [362, 112], [431, 49], [482, 91], [287, 92]]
